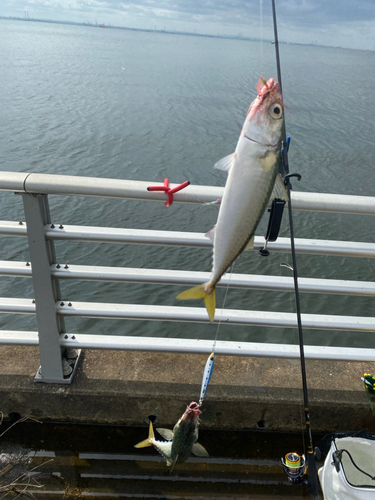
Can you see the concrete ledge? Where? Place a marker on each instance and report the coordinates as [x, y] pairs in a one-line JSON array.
[[121, 387]]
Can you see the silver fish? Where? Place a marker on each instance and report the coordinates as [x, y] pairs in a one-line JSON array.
[[253, 178], [182, 441]]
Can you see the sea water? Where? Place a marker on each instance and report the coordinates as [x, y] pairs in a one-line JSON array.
[[79, 100]]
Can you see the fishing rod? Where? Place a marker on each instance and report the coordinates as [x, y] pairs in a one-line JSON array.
[[311, 465]]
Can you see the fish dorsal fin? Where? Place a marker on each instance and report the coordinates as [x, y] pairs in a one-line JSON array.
[[211, 234], [199, 451], [250, 244], [225, 163], [166, 433], [279, 190]]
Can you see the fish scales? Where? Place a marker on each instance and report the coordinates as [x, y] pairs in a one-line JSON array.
[[182, 441], [241, 209], [253, 175], [184, 437]]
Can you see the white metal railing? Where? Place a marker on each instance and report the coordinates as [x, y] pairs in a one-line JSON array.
[[159, 276], [137, 190], [46, 273]]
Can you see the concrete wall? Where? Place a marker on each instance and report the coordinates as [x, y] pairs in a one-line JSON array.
[[119, 387]]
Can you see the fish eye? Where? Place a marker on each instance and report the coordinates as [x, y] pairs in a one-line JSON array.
[[276, 111]]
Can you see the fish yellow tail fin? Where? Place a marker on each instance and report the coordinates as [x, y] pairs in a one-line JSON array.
[[148, 441], [206, 292]]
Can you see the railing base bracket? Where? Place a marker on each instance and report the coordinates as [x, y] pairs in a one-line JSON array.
[[68, 379]]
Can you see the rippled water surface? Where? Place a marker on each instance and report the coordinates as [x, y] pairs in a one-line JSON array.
[[145, 106]]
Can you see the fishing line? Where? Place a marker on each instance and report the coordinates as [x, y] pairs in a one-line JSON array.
[[208, 369], [312, 472], [222, 307], [261, 37]]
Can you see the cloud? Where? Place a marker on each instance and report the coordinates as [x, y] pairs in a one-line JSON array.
[[296, 12], [321, 12], [346, 23]]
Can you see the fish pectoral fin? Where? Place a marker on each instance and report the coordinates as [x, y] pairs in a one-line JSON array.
[[206, 292], [250, 244], [279, 190], [166, 433], [268, 161], [147, 442], [225, 163], [199, 451]]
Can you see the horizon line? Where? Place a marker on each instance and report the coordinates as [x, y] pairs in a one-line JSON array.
[[166, 31]]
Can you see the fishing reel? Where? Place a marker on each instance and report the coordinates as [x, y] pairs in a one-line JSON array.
[[294, 467]]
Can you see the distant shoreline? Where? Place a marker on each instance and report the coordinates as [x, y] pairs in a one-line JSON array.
[[169, 32]]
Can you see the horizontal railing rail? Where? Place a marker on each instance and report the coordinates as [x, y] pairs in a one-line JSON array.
[[59, 349], [193, 315], [67, 185], [186, 239], [172, 277], [193, 346]]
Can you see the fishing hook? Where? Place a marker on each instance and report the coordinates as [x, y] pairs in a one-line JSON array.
[[283, 264]]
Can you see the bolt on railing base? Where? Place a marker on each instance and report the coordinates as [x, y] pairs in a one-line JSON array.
[[70, 363]]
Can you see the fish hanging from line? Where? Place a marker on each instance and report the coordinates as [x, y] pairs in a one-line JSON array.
[[182, 441], [252, 181]]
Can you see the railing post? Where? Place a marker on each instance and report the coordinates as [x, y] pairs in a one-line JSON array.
[[54, 364]]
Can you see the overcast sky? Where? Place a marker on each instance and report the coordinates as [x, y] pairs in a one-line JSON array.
[[345, 23]]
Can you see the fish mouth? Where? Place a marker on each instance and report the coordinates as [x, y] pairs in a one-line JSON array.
[[193, 410], [261, 143]]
